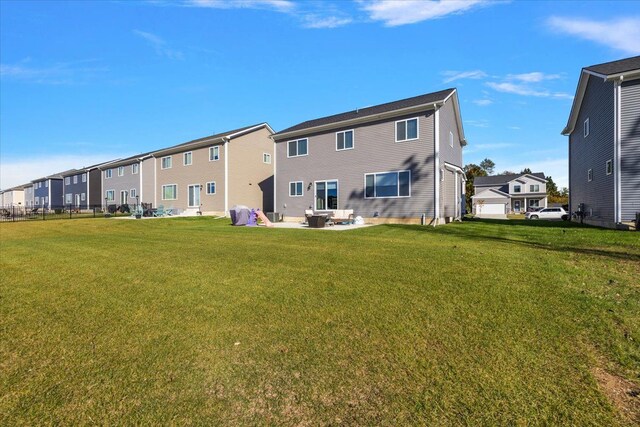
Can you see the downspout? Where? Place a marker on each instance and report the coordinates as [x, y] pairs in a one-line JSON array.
[[141, 191], [275, 176], [155, 182], [226, 175], [88, 187], [436, 213], [617, 139]]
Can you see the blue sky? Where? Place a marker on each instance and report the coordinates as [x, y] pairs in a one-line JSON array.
[[85, 82]]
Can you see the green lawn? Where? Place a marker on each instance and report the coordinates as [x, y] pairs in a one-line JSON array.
[[192, 321]]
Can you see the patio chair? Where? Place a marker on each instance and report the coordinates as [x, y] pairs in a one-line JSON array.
[[159, 211]]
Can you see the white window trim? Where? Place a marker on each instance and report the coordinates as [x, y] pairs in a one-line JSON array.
[[590, 175], [301, 193], [184, 158], [514, 188], [133, 193], [266, 156], [353, 140], [84, 177], [120, 170], [609, 167], [170, 162], [417, 119], [75, 179], [68, 198], [83, 197], [451, 139], [586, 128], [374, 185], [212, 150], [108, 173], [315, 191], [215, 188], [135, 168], [106, 195], [67, 180], [170, 185], [532, 188], [296, 141]]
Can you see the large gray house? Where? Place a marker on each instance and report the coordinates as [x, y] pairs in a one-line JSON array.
[[395, 162], [498, 195], [604, 143]]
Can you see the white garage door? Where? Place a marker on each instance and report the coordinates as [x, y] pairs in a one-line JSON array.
[[491, 209]]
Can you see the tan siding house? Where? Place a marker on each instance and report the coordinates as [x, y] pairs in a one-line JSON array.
[[212, 174]]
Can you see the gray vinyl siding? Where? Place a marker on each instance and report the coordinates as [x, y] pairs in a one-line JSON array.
[[451, 155], [75, 189], [630, 149], [375, 150], [126, 182], [593, 152]]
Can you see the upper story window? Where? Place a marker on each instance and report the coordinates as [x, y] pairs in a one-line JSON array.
[[187, 158], [266, 158], [590, 175], [534, 188], [517, 188], [46, 184], [344, 140], [451, 139], [297, 148], [609, 167], [214, 153], [407, 130], [135, 168], [121, 171], [75, 179], [108, 173], [166, 162], [84, 177], [387, 184], [67, 180], [586, 127]]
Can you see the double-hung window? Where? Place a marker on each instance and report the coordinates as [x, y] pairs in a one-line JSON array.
[[297, 148], [517, 188], [67, 180], [211, 187], [406, 130], [133, 193], [68, 198], [187, 158], [387, 184], [295, 189], [121, 171], [75, 179], [344, 140], [83, 197], [214, 153], [135, 168], [534, 188], [166, 162], [108, 173], [84, 177], [110, 195], [169, 192]]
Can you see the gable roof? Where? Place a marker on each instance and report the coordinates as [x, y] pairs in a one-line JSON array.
[[213, 139], [389, 109], [495, 194], [623, 69], [504, 179], [58, 175]]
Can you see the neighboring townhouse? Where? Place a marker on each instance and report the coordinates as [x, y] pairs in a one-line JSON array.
[[128, 181], [82, 188], [604, 144], [12, 196], [212, 174], [28, 195], [48, 191], [395, 162], [498, 195]]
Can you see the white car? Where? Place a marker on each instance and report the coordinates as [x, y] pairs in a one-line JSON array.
[[547, 213]]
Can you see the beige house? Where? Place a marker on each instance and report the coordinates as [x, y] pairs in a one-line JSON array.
[[12, 196], [212, 174]]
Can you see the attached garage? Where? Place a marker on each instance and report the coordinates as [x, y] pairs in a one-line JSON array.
[[490, 204], [490, 209]]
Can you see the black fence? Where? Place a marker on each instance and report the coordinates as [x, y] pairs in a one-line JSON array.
[[22, 213]]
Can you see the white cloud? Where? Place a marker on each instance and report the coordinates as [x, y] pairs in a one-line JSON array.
[[534, 77], [451, 76], [483, 123], [315, 21], [620, 34], [61, 73], [277, 5], [159, 45], [482, 102], [18, 172], [526, 90], [402, 12]]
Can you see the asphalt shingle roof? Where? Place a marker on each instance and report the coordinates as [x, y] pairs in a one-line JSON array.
[[616, 67], [502, 179], [428, 98]]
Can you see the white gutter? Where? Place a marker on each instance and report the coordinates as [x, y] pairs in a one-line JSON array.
[[141, 191], [226, 175], [436, 214], [617, 184], [155, 182], [275, 176]]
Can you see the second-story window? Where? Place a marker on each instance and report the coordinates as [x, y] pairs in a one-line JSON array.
[[67, 180], [214, 153], [84, 177], [344, 140], [406, 130], [517, 188], [121, 171], [108, 173], [297, 148], [135, 168], [187, 157], [534, 188], [75, 179], [166, 162], [266, 158], [586, 128]]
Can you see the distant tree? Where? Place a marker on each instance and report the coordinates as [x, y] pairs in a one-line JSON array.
[[488, 166], [555, 196], [526, 170], [471, 171], [552, 188], [507, 173]]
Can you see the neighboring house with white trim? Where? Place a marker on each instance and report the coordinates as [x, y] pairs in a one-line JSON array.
[[13, 196], [498, 195], [48, 191], [82, 188], [604, 143], [396, 162], [128, 181], [212, 174]]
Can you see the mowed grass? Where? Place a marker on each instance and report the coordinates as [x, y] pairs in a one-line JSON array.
[[192, 321]]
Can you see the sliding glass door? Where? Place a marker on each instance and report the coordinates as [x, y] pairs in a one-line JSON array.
[[326, 195]]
